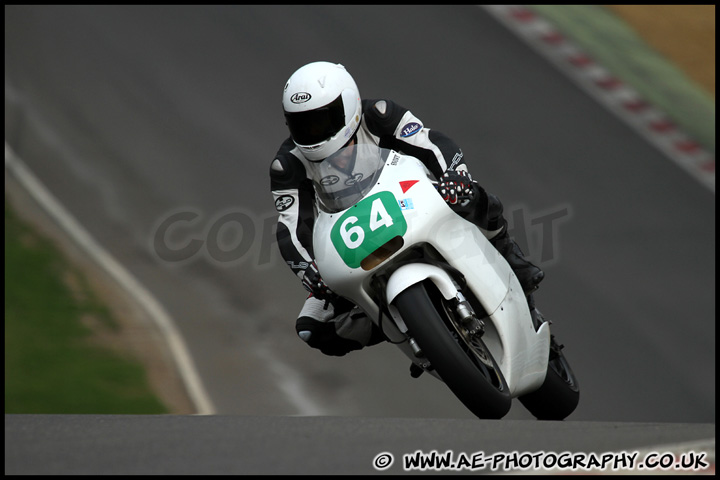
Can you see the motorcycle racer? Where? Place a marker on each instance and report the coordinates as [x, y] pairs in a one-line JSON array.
[[324, 112]]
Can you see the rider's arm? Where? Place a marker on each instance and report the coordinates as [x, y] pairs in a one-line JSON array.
[[294, 201], [399, 129]]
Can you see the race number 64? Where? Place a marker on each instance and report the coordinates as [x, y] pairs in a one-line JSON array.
[[366, 226]]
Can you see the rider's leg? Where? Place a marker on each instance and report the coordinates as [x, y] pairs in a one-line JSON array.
[[488, 215]]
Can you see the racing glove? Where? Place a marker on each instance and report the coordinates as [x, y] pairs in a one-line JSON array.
[[313, 282], [456, 187]]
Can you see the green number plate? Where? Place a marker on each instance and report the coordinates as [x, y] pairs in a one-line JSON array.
[[367, 225]]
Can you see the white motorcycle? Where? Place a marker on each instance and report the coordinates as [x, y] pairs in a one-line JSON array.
[[385, 240]]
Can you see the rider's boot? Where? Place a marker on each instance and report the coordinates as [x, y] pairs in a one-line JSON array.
[[528, 274]]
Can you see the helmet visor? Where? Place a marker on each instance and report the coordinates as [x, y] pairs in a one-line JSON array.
[[315, 126]]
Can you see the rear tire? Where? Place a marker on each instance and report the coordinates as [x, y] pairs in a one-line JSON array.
[[559, 394], [464, 363]]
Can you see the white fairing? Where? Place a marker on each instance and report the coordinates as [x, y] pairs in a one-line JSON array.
[[520, 351]]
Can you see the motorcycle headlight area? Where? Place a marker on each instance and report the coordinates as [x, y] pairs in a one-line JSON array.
[[382, 253]]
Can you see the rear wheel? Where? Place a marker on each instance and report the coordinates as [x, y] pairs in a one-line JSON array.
[[462, 360], [559, 394]]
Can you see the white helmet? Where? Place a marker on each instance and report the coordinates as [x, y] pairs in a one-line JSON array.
[[322, 109]]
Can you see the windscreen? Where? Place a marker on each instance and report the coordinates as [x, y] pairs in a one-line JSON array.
[[345, 177]]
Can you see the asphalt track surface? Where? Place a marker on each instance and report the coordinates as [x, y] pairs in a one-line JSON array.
[[129, 115], [218, 444]]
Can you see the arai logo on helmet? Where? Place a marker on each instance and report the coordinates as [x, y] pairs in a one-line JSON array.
[[300, 97], [410, 129]]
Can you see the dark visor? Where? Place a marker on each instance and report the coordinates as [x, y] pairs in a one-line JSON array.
[[315, 126]]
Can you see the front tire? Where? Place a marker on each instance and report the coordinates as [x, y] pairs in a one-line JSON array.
[[559, 394], [463, 362]]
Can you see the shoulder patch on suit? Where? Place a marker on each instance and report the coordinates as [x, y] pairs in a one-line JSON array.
[[410, 129], [284, 202]]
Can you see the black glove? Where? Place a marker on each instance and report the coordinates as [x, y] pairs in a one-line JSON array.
[[456, 187], [313, 282]]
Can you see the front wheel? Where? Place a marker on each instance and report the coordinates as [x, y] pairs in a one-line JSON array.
[[462, 361]]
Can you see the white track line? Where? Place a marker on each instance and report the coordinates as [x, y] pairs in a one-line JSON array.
[[610, 91], [290, 382], [82, 237]]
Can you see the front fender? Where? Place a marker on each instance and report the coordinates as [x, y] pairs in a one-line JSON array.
[[413, 273]]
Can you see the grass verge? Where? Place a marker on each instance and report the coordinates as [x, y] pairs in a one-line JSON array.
[[53, 363], [624, 53]]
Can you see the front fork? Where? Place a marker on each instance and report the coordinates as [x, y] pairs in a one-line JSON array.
[[467, 317]]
